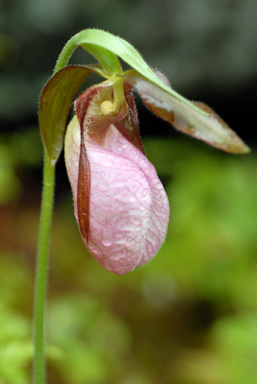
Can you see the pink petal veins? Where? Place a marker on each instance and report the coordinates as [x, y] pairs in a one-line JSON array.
[[129, 209]]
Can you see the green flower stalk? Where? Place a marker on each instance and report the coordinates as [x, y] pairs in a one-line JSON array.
[[120, 205]]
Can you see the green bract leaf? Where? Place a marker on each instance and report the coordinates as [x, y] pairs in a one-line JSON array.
[[90, 40], [109, 62], [104, 41], [55, 102], [105, 47], [195, 119]]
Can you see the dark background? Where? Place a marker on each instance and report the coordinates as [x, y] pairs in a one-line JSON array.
[[206, 49]]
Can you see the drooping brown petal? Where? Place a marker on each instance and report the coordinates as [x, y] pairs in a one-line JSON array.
[[129, 126], [83, 102], [84, 177], [195, 119], [83, 192]]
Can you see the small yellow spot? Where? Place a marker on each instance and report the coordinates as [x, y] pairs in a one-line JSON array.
[[106, 107]]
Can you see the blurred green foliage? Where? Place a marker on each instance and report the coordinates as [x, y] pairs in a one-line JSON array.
[[188, 317], [19, 150]]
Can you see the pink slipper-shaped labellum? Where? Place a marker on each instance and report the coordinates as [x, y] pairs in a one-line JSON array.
[[120, 204]]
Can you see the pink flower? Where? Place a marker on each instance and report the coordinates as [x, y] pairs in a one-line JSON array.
[[120, 204]]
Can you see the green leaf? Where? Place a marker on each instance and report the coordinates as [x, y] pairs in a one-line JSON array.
[[115, 45], [109, 62], [195, 119], [103, 41], [88, 39], [105, 46], [55, 102]]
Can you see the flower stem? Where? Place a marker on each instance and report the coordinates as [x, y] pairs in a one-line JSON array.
[[41, 272], [65, 54]]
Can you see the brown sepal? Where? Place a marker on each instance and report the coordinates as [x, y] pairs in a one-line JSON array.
[[129, 126], [83, 192]]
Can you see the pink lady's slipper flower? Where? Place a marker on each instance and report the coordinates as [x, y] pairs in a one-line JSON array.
[[120, 204]]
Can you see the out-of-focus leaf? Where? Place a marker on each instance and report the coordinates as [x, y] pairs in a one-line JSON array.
[[91, 339], [15, 347], [195, 119], [234, 339], [10, 185], [55, 103]]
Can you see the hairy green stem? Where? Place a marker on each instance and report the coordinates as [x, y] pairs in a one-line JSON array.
[[65, 54], [40, 295], [39, 374]]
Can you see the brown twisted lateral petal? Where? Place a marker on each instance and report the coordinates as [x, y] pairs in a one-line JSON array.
[[83, 185], [129, 126], [83, 192], [193, 118]]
